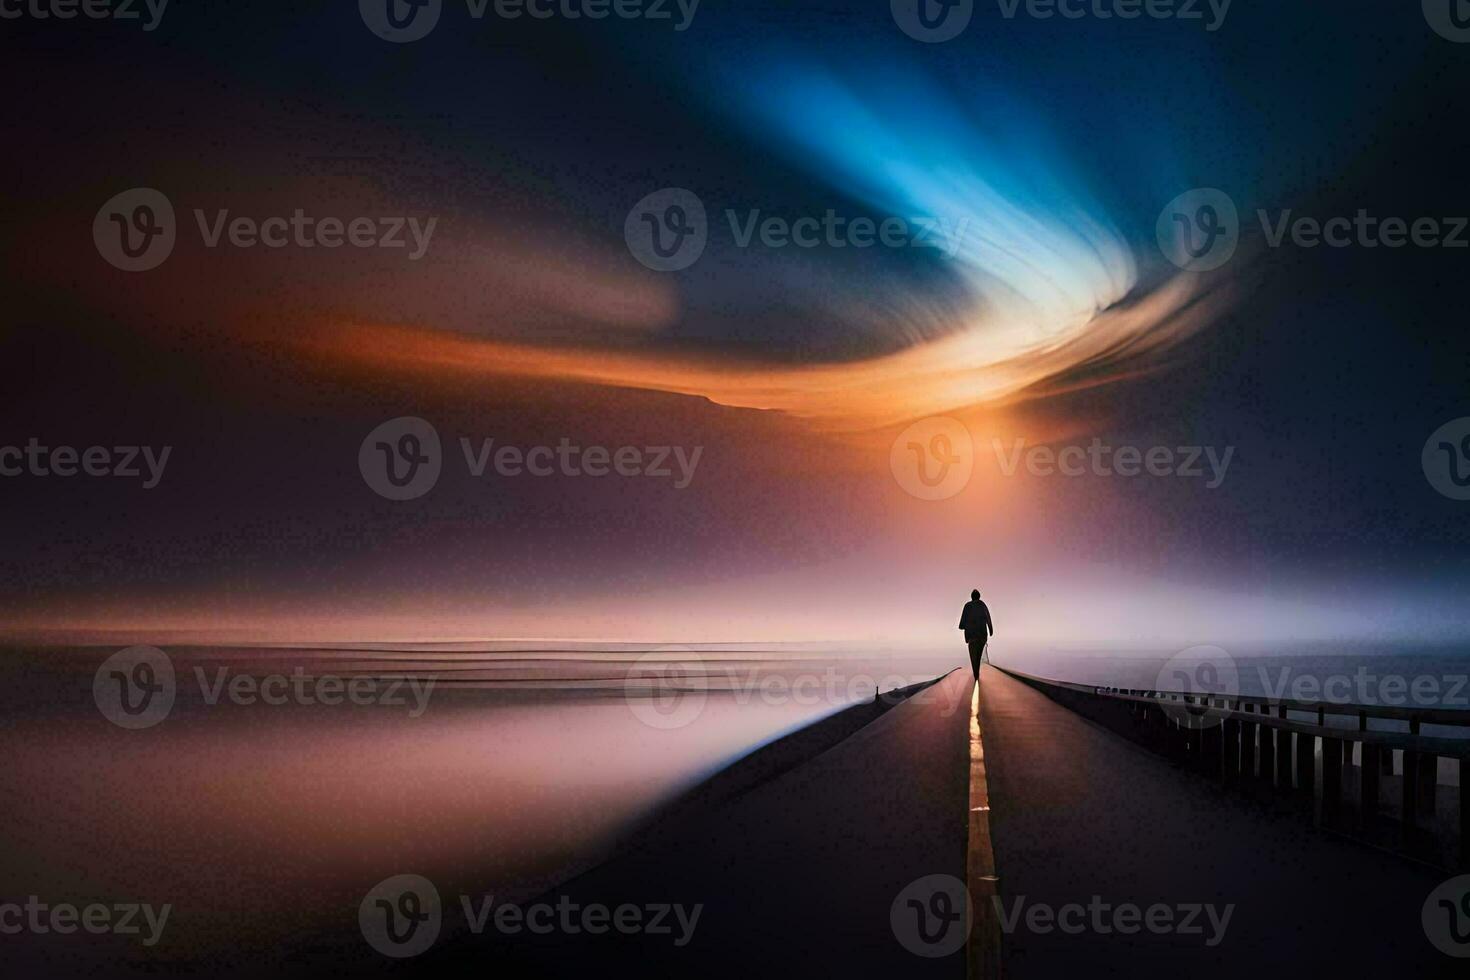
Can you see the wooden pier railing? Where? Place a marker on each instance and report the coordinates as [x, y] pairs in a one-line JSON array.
[[1325, 756]]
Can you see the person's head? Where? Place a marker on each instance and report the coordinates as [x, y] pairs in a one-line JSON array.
[[974, 593]]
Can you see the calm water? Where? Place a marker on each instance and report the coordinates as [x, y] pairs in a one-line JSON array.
[[263, 824]]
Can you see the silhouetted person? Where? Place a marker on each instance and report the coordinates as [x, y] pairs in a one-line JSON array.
[[975, 621]]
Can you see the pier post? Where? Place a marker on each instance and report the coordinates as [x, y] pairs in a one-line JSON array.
[[1411, 789], [1209, 746], [1428, 782], [1421, 773], [1268, 755], [1283, 754], [1428, 776], [1306, 764], [1230, 752], [1368, 783], [1247, 751], [1331, 777]]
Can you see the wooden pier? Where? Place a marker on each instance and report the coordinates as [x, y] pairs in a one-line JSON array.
[[1325, 756]]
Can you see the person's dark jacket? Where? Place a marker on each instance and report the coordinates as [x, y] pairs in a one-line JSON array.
[[975, 621]]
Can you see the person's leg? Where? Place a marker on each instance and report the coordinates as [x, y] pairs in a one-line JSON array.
[[975, 650]]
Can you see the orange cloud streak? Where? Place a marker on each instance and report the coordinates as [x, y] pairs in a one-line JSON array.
[[965, 368]]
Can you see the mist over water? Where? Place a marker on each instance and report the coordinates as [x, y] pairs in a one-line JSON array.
[[518, 768]]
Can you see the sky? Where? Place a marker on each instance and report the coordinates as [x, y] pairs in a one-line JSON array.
[[1037, 156]]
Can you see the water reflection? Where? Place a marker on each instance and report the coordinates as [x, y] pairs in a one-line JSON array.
[[285, 782]]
